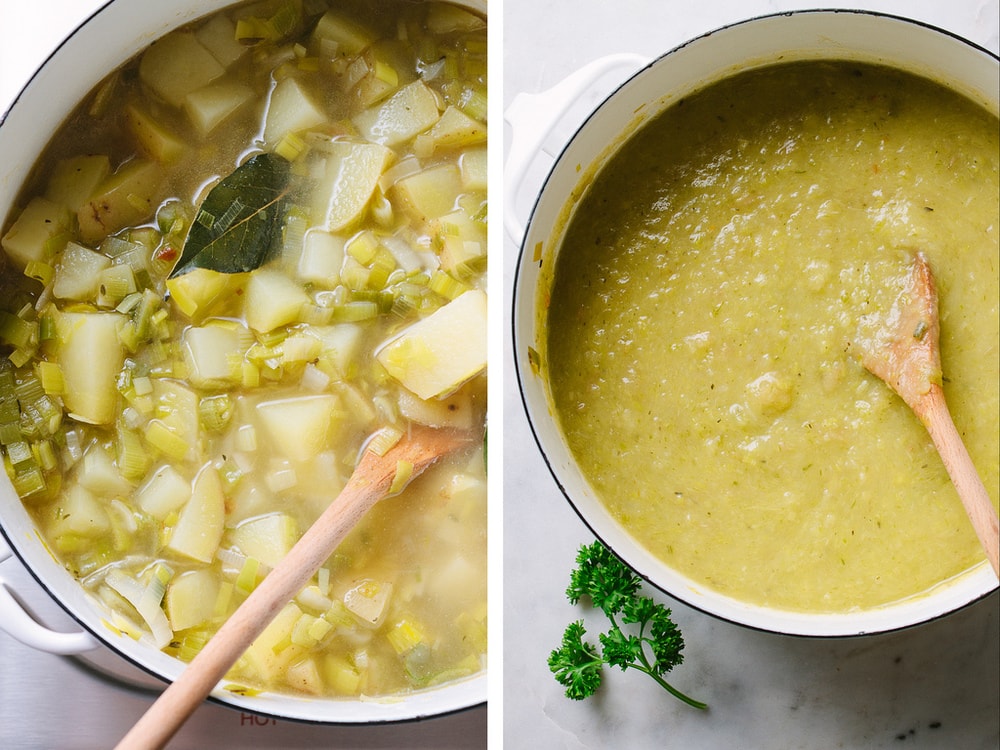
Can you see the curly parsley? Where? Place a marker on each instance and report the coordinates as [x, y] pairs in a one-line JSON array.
[[642, 635]]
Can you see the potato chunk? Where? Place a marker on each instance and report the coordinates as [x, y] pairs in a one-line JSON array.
[[201, 522], [349, 178], [36, 231], [126, 197], [272, 300], [436, 355], [90, 356], [299, 427], [290, 110], [176, 65], [207, 351], [78, 273], [409, 111]]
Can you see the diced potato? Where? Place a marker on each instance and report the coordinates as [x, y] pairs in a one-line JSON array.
[[321, 259], [300, 347], [454, 129], [457, 254], [165, 492], [340, 343], [176, 65], [378, 83], [369, 601], [455, 411], [317, 482], [463, 489], [196, 291], [201, 521], [218, 36], [460, 224], [299, 426], [430, 193], [249, 500], [81, 513], [267, 538], [38, 233], [340, 35], [411, 110], [207, 350], [75, 179], [348, 180], [210, 105], [165, 439], [304, 677], [99, 474], [386, 65], [341, 676], [438, 354], [90, 356], [177, 409], [155, 139], [473, 166], [190, 598], [290, 110], [78, 273], [272, 300], [264, 654], [125, 198]]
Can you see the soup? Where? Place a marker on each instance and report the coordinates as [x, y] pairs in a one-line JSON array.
[[251, 253], [708, 287]]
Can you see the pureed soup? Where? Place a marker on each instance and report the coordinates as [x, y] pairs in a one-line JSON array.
[[707, 290], [254, 251]]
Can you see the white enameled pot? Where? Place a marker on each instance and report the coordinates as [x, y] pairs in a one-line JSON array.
[[824, 34], [118, 31]]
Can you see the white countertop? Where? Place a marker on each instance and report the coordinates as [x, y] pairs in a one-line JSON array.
[[937, 686]]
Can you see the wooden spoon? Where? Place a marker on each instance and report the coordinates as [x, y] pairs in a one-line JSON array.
[[371, 481], [905, 355]]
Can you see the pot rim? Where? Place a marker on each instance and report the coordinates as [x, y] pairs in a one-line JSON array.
[[454, 697], [733, 608]]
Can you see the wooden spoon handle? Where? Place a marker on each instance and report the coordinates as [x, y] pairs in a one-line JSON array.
[[183, 696], [933, 412], [374, 478]]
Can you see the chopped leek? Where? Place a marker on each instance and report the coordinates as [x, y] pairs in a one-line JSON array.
[[404, 470], [146, 600]]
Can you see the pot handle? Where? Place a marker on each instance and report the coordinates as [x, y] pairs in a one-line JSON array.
[[17, 623], [532, 118]]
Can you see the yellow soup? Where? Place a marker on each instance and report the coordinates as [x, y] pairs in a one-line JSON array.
[[707, 289]]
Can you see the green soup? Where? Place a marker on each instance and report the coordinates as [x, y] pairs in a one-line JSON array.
[[707, 289]]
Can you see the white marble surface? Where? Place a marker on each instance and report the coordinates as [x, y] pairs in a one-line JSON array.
[[937, 686]]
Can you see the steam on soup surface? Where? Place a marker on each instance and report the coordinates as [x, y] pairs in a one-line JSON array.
[[255, 249], [708, 287]]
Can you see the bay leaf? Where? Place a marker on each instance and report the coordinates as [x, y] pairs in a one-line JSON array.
[[239, 220]]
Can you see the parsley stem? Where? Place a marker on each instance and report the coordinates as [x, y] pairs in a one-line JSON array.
[[669, 688]]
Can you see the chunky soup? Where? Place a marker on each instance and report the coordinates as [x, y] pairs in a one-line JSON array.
[[254, 251], [708, 287]]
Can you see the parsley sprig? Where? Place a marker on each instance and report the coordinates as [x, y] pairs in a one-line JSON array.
[[642, 635]]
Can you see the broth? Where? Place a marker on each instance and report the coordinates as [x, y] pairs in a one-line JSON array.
[[248, 256]]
